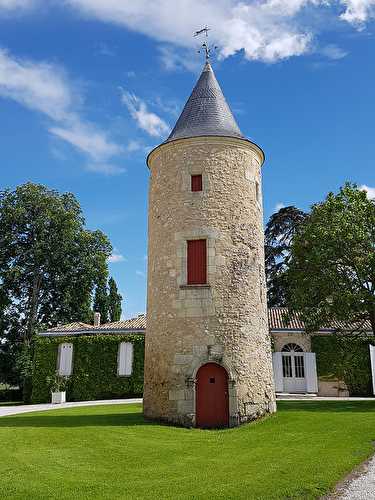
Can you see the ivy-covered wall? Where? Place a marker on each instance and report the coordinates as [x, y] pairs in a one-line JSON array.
[[345, 358], [94, 368]]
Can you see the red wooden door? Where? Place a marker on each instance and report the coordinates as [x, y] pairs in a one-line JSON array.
[[212, 403]]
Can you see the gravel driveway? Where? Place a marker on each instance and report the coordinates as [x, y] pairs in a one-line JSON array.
[[361, 486]]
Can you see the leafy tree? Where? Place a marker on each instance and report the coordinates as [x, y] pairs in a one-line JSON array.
[[331, 274], [279, 234], [101, 302], [49, 264], [114, 301]]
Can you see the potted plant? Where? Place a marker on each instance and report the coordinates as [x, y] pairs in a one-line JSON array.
[[57, 385]]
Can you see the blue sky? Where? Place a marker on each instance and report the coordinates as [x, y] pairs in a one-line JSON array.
[[87, 87]]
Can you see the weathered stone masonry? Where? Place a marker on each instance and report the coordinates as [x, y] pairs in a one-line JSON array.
[[226, 320]]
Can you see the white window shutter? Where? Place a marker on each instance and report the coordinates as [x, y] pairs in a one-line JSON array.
[[65, 360], [311, 376], [277, 364], [125, 359], [372, 359]]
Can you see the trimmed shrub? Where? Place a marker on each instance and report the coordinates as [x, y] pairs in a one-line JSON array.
[[8, 395], [346, 358], [94, 368]]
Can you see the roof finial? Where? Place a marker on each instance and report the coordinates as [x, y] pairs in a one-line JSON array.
[[205, 46]]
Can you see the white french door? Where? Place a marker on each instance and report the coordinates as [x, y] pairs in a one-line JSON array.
[[293, 364], [294, 377]]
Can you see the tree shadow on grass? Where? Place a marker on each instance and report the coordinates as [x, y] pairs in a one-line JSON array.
[[45, 420], [327, 406]]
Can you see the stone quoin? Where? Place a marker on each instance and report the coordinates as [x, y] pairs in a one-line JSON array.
[[218, 321]]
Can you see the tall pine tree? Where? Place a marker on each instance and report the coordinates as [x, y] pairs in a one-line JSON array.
[[101, 300], [114, 301]]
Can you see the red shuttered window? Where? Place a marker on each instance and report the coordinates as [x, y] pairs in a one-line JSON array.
[[196, 183], [197, 262]]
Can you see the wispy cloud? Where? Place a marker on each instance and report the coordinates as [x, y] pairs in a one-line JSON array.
[[134, 146], [105, 168], [140, 273], [279, 206], [369, 190], [103, 49], [333, 52], [116, 257], [8, 5], [146, 120], [38, 86], [89, 140], [173, 59], [265, 30], [358, 12], [45, 88]]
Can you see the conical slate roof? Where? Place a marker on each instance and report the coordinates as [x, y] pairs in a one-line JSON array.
[[206, 111]]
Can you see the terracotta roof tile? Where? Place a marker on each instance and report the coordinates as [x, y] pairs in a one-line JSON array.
[[70, 327], [136, 323], [276, 319]]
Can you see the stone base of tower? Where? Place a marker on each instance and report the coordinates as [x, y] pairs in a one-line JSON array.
[[188, 419], [176, 400]]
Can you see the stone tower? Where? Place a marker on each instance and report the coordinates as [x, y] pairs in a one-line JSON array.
[[208, 350]]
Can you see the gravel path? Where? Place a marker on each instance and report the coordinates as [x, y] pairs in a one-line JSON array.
[[14, 410], [360, 487]]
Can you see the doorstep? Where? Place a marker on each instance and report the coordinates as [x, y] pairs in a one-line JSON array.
[[287, 395]]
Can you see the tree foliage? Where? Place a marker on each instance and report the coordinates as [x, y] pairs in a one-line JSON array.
[[107, 301], [331, 274], [101, 299], [279, 234], [114, 301], [49, 264]]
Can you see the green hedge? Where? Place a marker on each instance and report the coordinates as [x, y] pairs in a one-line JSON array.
[[94, 368], [346, 358]]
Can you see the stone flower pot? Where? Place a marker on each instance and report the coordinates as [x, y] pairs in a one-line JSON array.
[[58, 397]]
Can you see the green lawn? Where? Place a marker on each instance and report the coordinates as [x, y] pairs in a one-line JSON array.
[[109, 452]]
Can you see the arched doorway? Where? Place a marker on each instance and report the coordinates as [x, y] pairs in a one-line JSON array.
[[212, 402], [293, 368]]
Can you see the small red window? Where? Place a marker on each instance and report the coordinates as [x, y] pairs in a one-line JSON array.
[[196, 183], [196, 262]]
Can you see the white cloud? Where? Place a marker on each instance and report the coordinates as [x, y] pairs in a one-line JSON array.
[[87, 139], [39, 86], [140, 273], [116, 257], [105, 168], [369, 190], [173, 60], [145, 119], [45, 88], [134, 146], [267, 30], [333, 52], [358, 11], [279, 206], [8, 5]]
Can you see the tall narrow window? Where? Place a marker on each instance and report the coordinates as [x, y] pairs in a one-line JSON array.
[[196, 183], [65, 360], [125, 359], [197, 262], [257, 193]]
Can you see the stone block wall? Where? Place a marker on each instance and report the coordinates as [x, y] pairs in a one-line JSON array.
[[224, 321]]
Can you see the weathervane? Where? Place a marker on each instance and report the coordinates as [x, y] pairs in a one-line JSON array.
[[205, 46]]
